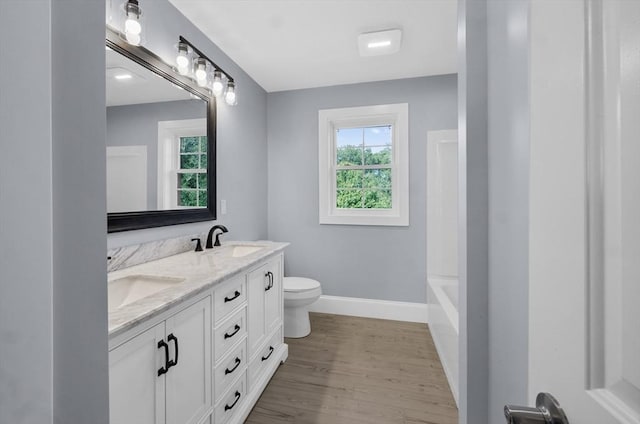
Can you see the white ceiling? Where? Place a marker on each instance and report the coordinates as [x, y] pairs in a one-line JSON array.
[[293, 44]]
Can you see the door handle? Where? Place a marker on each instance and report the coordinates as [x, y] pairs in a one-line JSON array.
[[269, 274], [547, 411], [264, 358], [235, 331], [173, 362], [235, 296], [163, 345]]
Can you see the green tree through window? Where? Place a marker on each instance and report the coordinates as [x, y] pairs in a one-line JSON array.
[[364, 167], [192, 175]]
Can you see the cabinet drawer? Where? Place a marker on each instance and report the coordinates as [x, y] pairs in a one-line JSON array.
[[231, 401], [229, 332], [265, 358], [228, 296], [230, 367]]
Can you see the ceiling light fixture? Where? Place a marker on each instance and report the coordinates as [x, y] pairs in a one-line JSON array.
[[123, 76], [379, 42], [132, 23]]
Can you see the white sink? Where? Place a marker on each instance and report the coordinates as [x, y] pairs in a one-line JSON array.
[[125, 290], [236, 251]]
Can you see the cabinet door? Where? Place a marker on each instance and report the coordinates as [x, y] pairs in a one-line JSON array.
[[136, 392], [273, 296], [188, 382], [256, 284]]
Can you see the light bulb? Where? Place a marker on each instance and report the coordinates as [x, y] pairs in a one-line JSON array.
[[133, 38], [230, 96], [201, 70], [217, 86], [132, 25], [182, 59]]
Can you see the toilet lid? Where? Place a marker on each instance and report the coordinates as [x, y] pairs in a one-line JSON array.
[[298, 284]]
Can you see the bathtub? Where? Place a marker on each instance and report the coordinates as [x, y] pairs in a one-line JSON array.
[[442, 298]]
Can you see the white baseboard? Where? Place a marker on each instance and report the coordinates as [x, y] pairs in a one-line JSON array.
[[371, 308]]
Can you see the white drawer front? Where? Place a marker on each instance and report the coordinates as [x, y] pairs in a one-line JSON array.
[[230, 367], [229, 333], [265, 358], [228, 296], [231, 401]]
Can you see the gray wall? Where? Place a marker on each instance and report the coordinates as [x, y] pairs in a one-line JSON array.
[[241, 136], [494, 150], [508, 110], [136, 125], [356, 261], [26, 244], [473, 209], [53, 315]]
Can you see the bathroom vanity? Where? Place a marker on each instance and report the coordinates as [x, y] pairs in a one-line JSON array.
[[195, 337]]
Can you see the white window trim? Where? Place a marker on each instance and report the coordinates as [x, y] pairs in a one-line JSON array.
[[330, 119], [169, 133]]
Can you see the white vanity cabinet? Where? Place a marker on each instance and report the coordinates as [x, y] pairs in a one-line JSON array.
[[264, 286], [163, 375], [229, 344]]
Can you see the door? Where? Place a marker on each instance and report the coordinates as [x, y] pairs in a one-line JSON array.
[[256, 284], [584, 258], [273, 296], [136, 392], [188, 382], [126, 178]]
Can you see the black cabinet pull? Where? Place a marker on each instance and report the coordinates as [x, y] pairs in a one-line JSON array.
[[235, 331], [235, 296], [163, 370], [269, 274], [227, 407], [173, 362], [229, 371], [264, 358]]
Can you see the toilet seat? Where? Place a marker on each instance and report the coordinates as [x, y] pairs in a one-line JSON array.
[[299, 284]]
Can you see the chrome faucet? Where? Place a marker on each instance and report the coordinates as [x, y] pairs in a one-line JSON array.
[[210, 243]]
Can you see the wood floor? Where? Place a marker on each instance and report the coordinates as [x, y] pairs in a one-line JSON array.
[[357, 371]]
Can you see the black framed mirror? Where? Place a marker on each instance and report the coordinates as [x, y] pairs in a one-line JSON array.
[[161, 142]]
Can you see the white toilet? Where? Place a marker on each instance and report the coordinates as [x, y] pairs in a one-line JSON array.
[[299, 293]]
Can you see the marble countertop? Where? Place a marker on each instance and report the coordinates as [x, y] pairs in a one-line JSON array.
[[200, 271]]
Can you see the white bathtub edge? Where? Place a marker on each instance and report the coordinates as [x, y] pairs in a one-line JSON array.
[[453, 386], [371, 308]]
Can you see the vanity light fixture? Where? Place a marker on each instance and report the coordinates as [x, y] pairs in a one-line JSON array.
[[202, 67], [182, 60], [132, 23], [230, 95], [217, 86], [201, 71]]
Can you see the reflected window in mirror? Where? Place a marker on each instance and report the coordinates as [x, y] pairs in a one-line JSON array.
[[182, 166]]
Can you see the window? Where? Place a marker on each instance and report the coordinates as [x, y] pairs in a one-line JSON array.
[[364, 169], [182, 164]]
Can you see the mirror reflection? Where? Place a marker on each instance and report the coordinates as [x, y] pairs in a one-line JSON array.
[[156, 141]]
